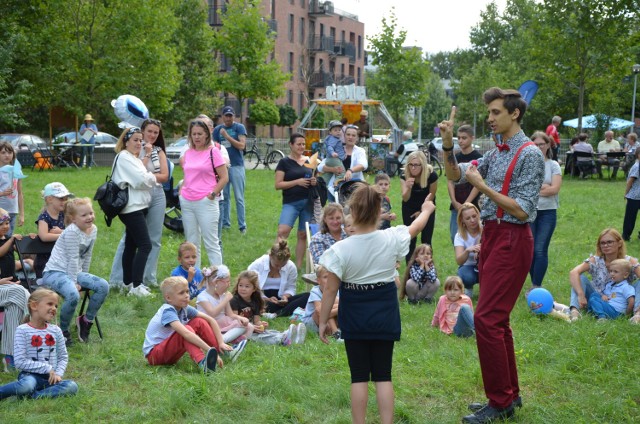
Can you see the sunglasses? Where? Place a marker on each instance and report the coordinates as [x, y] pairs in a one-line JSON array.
[[150, 121]]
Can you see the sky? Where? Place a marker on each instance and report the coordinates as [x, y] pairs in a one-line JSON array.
[[434, 25]]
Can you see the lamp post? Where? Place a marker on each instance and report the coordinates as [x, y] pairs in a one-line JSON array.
[[636, 71]]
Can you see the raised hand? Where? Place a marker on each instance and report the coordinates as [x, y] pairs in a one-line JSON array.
[[446, 129]]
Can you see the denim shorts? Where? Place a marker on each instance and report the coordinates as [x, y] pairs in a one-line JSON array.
[[299, 209]]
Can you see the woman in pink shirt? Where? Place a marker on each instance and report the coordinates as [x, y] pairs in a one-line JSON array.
[[205, 175]]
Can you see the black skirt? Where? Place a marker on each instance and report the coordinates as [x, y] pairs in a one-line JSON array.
[[369, 312]]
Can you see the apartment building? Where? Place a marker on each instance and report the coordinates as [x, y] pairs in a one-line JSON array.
[[316, 43]]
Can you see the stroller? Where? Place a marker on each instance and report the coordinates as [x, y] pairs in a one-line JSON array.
[[346, 189], [172, 215]]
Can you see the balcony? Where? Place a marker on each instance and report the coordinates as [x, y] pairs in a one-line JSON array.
[[321, 43], [320, 80], [344, 80], [343, 48], [319, 8]]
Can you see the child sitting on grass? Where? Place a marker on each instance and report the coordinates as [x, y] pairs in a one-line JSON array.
[[188, 256], [311, 316], [178, 327], [215, 302], [247, 302], [421, 278], [454, 312], [618, 296], [40, 353]]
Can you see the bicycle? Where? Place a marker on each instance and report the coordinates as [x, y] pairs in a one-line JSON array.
[[432, 156], [252, 156]]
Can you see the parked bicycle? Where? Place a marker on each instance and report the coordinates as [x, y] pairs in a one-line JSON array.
[[252, 157], [430, 152]]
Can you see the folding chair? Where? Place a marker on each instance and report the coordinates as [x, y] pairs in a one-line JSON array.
[[26, 159], [47, 158], [586, 167], [35, 246]]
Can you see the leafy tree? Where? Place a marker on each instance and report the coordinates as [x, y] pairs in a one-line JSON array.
[[437, 107], [13, 94], [246, 42], [401, 74], [264, 112], [288, 115]]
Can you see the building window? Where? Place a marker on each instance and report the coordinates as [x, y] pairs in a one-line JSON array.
[[291, 58], [342, 70], [343, 35], [273, 9], [303, 3], [359, 46], [291, 18], [301, 29], [290, 97], [359, 76], [300, 102]]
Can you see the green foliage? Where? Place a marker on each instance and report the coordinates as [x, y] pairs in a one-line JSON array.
[[14, 94], [319, 118], [401, 74], [437, 107], [264, 112], [288, 115], [246, 43]]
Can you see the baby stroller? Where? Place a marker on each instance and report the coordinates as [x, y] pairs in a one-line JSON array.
[[172, 215], [346, 189]]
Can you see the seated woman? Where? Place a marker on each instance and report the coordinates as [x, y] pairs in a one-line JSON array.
[[610, 246], [467, 245], [277, 276], [330, 232]]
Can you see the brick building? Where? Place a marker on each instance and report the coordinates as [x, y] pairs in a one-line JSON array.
[[316, 43]]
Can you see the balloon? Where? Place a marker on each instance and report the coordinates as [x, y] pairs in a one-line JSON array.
[[540, 301], [130, 110]]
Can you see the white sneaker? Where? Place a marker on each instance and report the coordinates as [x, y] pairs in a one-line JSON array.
[[300, 334], [138, 291], [269, 315], [237, 350], [145, 288]]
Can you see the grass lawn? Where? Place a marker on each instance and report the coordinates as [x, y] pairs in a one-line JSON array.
[[583, 372]]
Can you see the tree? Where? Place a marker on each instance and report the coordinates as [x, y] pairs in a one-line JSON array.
[[288, 115], [437, 107], [246, 42], [401, 74], [13, 93], [264, 112]]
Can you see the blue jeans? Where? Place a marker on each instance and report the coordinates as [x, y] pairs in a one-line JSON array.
[[453, 224], [237, 180], [37, 386], [88, 152], [300, 210], [12, 224], [62, 284], [464, 325], [469, 275], [542, 230], [155, 220], [587, 288], [601, 308]]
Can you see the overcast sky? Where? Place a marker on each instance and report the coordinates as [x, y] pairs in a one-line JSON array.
[[434, 25]]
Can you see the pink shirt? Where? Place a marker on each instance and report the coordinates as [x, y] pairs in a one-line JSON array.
[[446, 313], [199, 178]]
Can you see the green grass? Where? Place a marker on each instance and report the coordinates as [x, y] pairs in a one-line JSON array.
[[582, 372]]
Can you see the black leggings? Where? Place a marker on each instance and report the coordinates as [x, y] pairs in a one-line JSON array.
[[137, 246], [298, 300], [369, 360]]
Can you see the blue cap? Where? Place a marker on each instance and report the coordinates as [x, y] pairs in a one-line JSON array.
[[228, 110]]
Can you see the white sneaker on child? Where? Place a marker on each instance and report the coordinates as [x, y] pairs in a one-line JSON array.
[[269, 315], [138, 291], [287, 336], [237, 350], [301, 334]]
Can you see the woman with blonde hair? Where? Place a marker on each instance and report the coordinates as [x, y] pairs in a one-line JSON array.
[[467, 245], [419, 181]]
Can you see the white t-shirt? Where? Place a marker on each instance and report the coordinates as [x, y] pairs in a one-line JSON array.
[[368, 258], [470, 241], [551, 168], [205, 296]]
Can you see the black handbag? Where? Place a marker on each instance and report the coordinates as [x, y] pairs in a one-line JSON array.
[[111, 198]]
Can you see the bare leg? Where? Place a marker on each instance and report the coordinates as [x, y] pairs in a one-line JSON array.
[[301, 248], [385, 398], [359, 397]]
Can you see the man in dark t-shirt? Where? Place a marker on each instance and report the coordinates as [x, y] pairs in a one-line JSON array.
[[462, 193]]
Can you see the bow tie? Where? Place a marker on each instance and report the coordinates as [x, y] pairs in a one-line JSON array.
[[503, 147]]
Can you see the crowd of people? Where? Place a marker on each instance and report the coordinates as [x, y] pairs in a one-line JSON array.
[[503, 215]]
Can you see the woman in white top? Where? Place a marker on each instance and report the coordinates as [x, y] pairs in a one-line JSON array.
[[544, 225], [363, 266], [355, 163], [467, 245], [129, 172], [154, 158], [277, 275]]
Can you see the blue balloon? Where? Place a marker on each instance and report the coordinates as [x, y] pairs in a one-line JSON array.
[[540, 301], [130, 110]]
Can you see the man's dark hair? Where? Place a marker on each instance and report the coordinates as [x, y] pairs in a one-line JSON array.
[[583, 136], [512, 100]]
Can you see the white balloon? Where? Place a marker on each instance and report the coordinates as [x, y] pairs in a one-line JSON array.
[[130, 110]]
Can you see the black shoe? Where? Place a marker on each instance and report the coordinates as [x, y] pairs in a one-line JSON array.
[[412, 301], [211, 360], [489, 414], [67, 338], [427, 300], [476, 406], [84, 328]]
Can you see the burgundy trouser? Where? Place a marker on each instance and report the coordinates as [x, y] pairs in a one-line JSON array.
[[172, 348], [505, 260]]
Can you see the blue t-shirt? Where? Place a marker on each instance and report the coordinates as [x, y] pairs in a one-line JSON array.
[[236, 156], [194, 291], [92, 140], [619, 293]]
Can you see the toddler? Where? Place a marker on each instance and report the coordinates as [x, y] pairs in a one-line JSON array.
[[454, 312], [214, 301], [188, 256], [40, 353], [311, 317], [618, 296], [178, 328], [67, 271], [11, 175], [383, 183], [50, 222], [348, 225], [335, 151], [421, 278], [247, 302]]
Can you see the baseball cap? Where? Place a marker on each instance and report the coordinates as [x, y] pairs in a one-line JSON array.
[[228, 110], [334, 124], [56, 190]]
